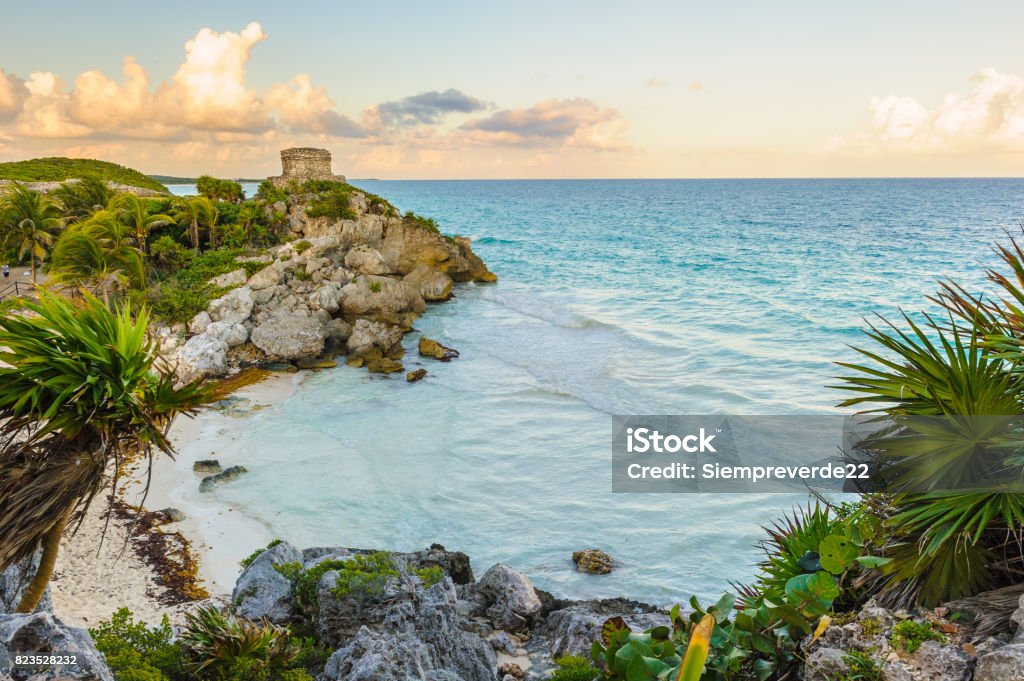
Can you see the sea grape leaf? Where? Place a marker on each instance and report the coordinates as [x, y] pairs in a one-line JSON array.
[[873, 561], [613, 630], [837, 553]]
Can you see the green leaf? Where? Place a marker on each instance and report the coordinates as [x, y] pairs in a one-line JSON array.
[[837, 553], [873, 561]]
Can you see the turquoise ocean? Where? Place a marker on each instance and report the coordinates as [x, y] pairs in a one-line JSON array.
[[615, 297]]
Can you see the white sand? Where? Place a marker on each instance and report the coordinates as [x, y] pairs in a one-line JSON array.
[[88, 588]]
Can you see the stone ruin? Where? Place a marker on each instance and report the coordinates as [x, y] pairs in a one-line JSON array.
[[305, 163]]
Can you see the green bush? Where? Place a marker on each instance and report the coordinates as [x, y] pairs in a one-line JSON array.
[[135, 652], [302, 246], [222, 645], [270, 193], [188, 291], [248, 560], [575, 668], [333, 204], [219, 190]]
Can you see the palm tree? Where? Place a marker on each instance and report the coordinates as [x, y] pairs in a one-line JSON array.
[[78, 396], [193, 213], [83, 198], [134, 212], [30, 219], [100, 250]]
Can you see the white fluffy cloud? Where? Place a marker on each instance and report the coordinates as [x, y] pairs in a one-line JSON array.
[[989, 118], [13, 94]]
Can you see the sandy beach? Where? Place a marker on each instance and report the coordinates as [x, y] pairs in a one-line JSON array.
[[93, 578]]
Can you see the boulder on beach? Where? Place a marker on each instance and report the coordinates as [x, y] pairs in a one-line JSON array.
[[43, 634], [515, 604], [262, 591], [290, 337], [207, 466]]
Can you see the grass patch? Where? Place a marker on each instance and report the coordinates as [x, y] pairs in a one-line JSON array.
[[908, 635], [188, 292]]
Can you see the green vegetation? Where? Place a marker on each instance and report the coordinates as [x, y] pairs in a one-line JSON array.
[[134, 652], [863, 667], [302, 246], [964, 360], [248, 560], [78, 396], [29, 221], [186, 291], [908, 635], [219, 190], [214, 646], [58, 169], [575, 668], [374, 286]]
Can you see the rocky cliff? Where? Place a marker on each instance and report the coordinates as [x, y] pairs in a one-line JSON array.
[[349, 286]]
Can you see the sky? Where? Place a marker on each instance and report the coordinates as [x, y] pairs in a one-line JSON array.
[[453, 90]]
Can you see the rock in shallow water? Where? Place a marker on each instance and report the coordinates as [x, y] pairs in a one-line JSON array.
[[593, 561], [431, 348], [417, 375], [229, 474]]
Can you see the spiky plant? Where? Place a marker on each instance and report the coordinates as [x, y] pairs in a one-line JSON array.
[[101, 251], [78, 397], [952, 392], [218, 641], [80, 200], [791, 548], [134, 213]]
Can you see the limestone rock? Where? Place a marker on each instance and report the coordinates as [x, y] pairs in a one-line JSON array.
[[261, 591], [367, 335], [13, 581], [270, 276], [326, 297], [199, 322], [207, 466], [236, 306], [432, 284], [384, 365], [515, 604], [289, 337], [366, 260], [229, 474], [235, 278], [593, 561], [173, 515], [202, 356], [383, 300], [574, 629], [1002, 664], [417, 375], [475, 269], [419, 638], [232, 333], [431, 348], [338, 330], [42, 633]]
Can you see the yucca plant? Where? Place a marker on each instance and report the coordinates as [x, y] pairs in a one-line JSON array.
[[78, 397], [951, 394], [218, 641]]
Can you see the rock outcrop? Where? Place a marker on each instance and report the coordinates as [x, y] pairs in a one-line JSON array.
[[43, 634], [262, 591], [315, 295], [13, 581]]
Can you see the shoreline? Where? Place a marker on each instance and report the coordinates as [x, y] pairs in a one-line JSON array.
[[92, 579]]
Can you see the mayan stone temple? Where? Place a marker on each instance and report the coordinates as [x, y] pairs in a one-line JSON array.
[[305, 163]]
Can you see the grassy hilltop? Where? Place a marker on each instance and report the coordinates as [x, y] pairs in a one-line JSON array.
[[58, 169]]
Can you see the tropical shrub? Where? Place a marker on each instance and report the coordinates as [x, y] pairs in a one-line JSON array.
[[938, 384], [221, 644], [219, 190], [575, 668], [78, 397], [334, 203], [135, 652]]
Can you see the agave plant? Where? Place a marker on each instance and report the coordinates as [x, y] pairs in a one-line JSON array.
[[78, 397], [952, 393], [219, 640]]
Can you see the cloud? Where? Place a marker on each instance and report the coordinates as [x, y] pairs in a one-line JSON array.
[[13, 94], [304, 107], [989, 118], [426, 108], [555, 122]]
